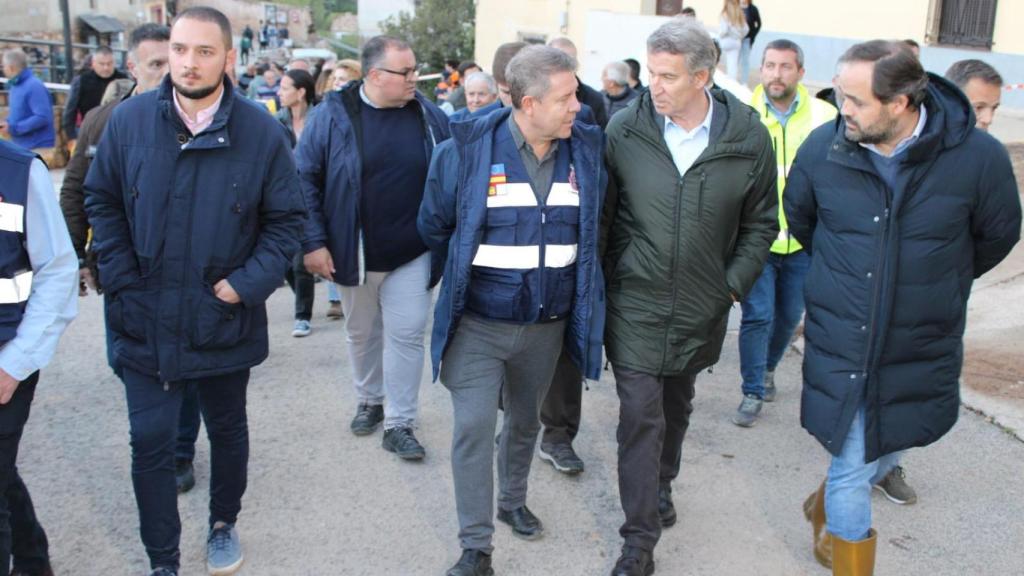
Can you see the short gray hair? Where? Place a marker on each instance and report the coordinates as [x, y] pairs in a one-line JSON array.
[[16, 58], [376, 48], [492, 86], [686, 37], [529, 72], [617, 72], [963, 71]]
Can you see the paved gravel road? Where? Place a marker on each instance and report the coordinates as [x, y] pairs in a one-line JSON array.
[[323, 502]]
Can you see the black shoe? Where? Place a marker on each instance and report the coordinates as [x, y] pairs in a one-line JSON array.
[[666, 509], [472, 563], [634, 562], [184, 475], [402, 442], [562, 457], [524, 524], [368, 417]]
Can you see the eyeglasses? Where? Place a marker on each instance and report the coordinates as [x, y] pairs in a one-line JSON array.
[[409, 74]]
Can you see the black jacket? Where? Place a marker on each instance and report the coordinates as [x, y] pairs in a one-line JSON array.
[[85, 94], [587, 95], [891, 271], [753, 22]]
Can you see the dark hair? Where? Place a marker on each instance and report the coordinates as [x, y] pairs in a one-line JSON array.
[[634, 68], [912, 43], [783, 44], [261, 68], [376, 47], [897, 71], [502, 56], [148, 32], [688, 11], [304, 80], [452, 62], [466, 65], [211, 15], [962, 72], [103, 50]]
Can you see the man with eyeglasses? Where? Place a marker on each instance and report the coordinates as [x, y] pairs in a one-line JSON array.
[[363, 160]]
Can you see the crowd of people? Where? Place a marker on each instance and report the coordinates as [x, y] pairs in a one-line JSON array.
[[563, 225]]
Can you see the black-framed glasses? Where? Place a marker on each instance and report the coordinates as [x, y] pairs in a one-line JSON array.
[[409, 74]]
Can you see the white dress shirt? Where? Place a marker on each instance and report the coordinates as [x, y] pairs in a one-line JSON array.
[[687, 146]]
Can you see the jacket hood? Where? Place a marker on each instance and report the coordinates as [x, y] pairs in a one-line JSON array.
[[474, 128], [950, 121]]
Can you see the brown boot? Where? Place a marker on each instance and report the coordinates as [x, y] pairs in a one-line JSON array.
[[814, 511], [854, 558]]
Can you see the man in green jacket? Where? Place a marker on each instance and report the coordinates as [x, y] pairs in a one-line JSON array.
[[690, 214]]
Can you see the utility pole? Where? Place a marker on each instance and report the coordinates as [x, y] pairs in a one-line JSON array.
[[69, 65]]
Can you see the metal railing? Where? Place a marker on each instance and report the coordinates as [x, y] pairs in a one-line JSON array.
[[53, 47]]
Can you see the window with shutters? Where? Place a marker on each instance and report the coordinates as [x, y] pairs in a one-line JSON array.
[[967, 23]]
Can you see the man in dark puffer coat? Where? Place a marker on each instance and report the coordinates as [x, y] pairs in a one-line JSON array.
[[901, 203]]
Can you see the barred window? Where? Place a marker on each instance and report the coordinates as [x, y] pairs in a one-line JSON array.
[[967, 23]]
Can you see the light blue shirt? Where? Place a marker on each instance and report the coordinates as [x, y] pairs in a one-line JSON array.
[[686, 146], [782, 117], [53, 302], [906, 142]]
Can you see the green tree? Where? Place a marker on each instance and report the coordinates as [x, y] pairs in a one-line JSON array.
[[440, 30]]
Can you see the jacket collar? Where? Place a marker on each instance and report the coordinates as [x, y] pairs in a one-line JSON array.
[[216, 134]]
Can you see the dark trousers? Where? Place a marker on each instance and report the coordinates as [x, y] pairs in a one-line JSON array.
[[154, 409], [654, 413], [21, 536], [188, 424], [302, 283], [560, 413]]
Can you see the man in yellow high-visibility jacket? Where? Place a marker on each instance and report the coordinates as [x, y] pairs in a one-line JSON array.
[[772, 309]]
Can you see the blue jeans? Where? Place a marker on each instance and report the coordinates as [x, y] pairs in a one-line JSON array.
[[153, 412], [771, 312], [849, 482], [745, 61]]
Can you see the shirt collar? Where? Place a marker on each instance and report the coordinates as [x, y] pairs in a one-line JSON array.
[[782, 116], [705, 125], [521, 143], [906, 142], [365, 98], [203, 118]]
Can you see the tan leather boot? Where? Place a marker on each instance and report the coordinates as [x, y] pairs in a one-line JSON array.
[[814, 511], [854, 558]]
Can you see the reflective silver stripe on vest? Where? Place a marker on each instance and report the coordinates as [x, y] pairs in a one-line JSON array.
[[16, 290], [524, 257]]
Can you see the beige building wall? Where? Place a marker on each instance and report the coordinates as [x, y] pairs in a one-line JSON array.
[[500, 21], [37, 16]]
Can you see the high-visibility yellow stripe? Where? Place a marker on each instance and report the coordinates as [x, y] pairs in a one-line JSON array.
[[16, 290]]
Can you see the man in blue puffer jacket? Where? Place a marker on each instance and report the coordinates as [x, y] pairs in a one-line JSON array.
[[901, 203], [196, 208], [511, 210]]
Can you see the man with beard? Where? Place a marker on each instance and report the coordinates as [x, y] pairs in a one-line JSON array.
[[196, 211], [775, 304], [902, 205]]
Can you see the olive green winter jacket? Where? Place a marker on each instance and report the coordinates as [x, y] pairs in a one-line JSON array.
[[679, 249]]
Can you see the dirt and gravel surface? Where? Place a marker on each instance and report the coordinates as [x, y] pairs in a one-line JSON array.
[[323, 502]]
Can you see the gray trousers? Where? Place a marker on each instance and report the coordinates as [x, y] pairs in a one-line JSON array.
[[654, 414], [386, 319], [482, 356]]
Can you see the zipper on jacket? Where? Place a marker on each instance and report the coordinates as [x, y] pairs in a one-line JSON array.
[[700, 196], [671, 270], [542, 271]]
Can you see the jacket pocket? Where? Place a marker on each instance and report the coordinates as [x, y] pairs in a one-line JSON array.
[[496, 295], [126, 313], [216, 324]]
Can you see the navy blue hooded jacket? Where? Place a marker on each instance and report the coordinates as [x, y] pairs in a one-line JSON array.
[[891, 271], [174, 214], [451, 222], [329, 159]]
